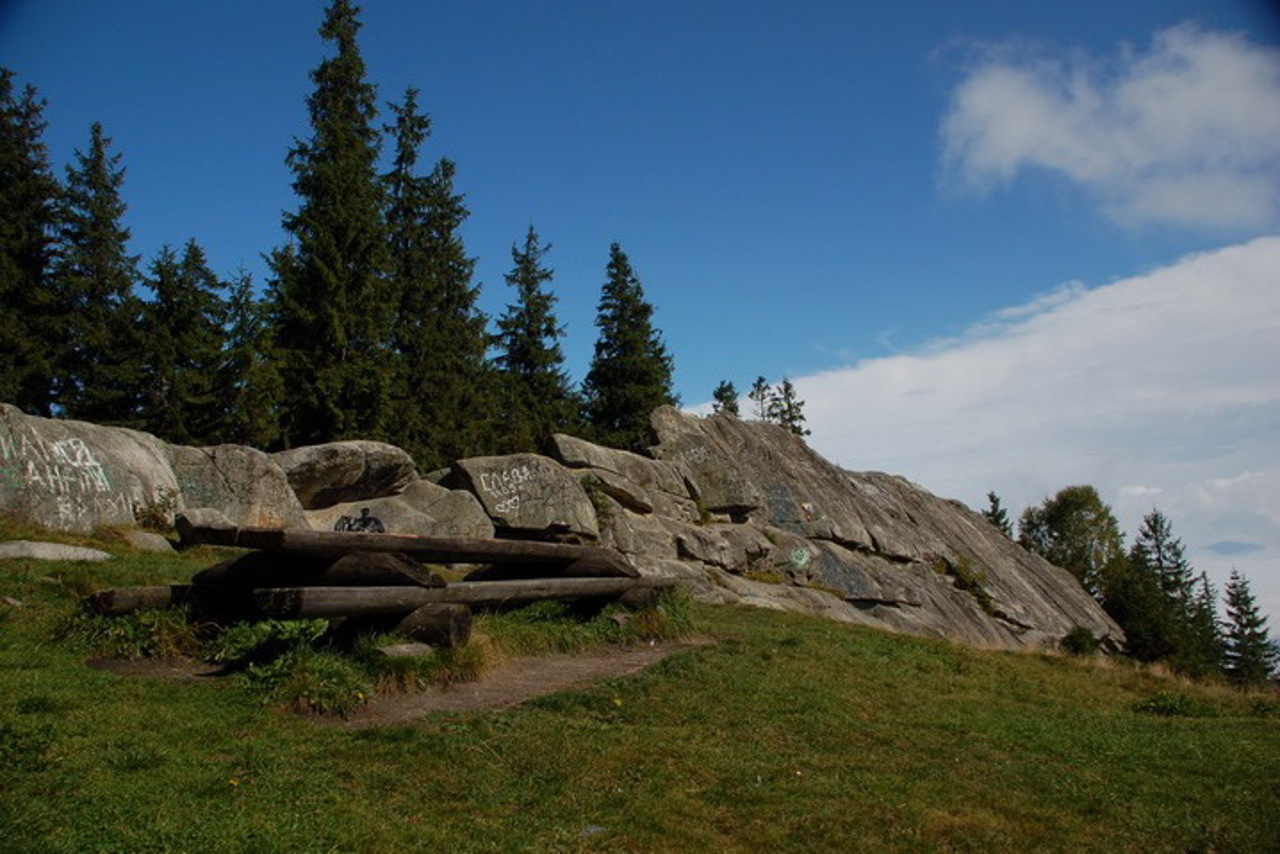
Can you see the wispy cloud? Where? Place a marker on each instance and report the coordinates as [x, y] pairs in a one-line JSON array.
[[1161, 390], [1184, 133]]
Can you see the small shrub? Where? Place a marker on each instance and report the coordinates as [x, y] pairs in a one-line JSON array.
[[157, 515], [160, 633], [245, 644], [968, 578], [666, 619], [1168, 704], [309, 680], [1079, 641]]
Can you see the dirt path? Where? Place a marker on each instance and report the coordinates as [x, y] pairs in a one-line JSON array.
[[516, 681], [505, 686]]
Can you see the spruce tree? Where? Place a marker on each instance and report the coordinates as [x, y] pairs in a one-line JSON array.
[[1156, 549], [186, 325], [539, 399], [786, 409], [725, 398], [99, 378], [333, 303], [250, 381], [1203, 648], [1250, 656], [631, 371], [997, 515], [31, 323]]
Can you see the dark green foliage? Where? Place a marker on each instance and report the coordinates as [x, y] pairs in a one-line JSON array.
[[786, 409], [996, 515], [250, 385], [726, 399], [30, 322], [1075, 530], [1153, 597], [1250, 654], [1169, 704], [537, 395], [99, 376], [1079, 641], [333, 303], [183, 401], [631, 371]]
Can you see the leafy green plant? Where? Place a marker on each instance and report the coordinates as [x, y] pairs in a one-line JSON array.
[[1079, 641], [245, 644], [157, 514], [311, 680], [968, 578], [160, 633]]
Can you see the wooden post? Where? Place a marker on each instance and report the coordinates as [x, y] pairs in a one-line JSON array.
[[439, 624]]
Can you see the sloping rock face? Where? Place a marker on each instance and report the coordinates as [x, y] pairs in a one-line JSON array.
[[243, 483], [75, 476], [895, 555], [529, 495]]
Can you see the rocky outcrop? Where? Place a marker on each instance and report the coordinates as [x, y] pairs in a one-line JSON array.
[[337, 472], [244, 484], [741, 511], [78, 477]]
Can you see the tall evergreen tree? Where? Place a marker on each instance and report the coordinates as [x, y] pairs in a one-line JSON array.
[[443, 404], [186, 325], [99, 378], [540, 400], [1159, 552], [1250, 655], [1203, 648], [1077, 531], [31, 328], [250, 382], [333, 303], [726, 399], [997, 515], [631, 371]]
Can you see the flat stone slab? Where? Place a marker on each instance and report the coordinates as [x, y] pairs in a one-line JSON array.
[[48, 551]]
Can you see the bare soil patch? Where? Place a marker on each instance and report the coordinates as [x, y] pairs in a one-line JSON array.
[[503, 687], [517, 680]]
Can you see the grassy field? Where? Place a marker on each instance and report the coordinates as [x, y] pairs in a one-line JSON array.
[[789, 734]]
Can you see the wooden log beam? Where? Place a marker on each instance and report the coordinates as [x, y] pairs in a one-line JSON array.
[[288, 569], [424, 549], [437, 623], [313, 602]]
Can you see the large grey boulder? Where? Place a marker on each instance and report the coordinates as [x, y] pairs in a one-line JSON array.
[[75, 476], [337, 472], [244, 484], [529, 494], [422, 509]]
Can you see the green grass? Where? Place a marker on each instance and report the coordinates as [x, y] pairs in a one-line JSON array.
[[790, 734]]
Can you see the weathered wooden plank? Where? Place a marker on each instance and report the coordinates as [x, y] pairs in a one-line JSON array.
[[605, 564], [313, 602], [289, 569], [424, 549]]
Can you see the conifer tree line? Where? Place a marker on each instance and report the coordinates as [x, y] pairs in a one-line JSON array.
[[1168, 611], [367, 327]]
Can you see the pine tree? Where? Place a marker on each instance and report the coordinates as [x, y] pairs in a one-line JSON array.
[[726, 399], [249, 379], [631, 371], [997, 515], [333, 304], [1156, 549], [1203, 649], [540, 400], [186, 325], [1250, 656], [99, 379], [761, 394], [31, 325], [786, 409]]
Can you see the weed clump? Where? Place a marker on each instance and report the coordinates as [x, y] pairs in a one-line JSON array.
[[1080, 641], [163, 633]]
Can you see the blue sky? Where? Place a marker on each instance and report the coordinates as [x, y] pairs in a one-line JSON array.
[[905, 207]]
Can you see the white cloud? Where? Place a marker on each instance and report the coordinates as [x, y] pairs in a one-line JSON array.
[[1186, 133], [1160, 390]]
